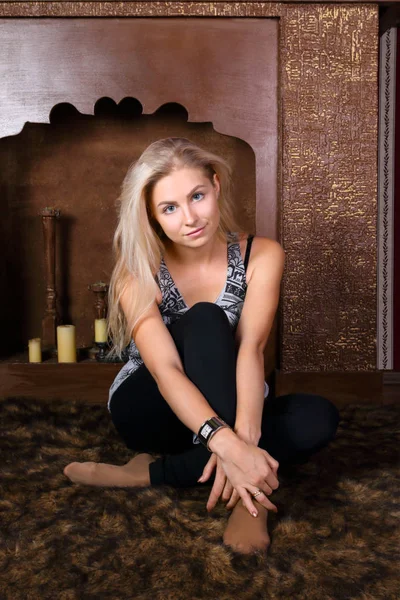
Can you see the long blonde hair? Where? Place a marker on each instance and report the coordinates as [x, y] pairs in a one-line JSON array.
[[138, 240]]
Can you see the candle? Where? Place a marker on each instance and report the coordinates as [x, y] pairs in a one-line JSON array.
[[100, 330], [66, 345], [35, 350]]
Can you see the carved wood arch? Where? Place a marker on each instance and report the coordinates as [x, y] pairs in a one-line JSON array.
[[80, 60]]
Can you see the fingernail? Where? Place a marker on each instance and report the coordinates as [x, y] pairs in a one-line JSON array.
[[254, 514], [200, 478]]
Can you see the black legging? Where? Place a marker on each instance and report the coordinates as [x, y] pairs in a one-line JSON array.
[[293, 426]]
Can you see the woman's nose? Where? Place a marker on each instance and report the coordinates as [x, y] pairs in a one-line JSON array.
[[189, 215]]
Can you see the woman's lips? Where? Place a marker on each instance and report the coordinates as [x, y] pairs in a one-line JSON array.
[[197, 231]]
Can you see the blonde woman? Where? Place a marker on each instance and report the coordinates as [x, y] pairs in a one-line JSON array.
[[192, 300]]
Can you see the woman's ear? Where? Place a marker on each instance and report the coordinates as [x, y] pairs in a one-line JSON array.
[[216, 184]]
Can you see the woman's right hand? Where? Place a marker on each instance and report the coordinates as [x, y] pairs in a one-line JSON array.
[[248, 468]]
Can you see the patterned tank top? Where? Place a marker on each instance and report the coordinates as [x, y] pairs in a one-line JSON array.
[[173, 306]]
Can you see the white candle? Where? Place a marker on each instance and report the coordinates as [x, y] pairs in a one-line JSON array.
[[100, 330], [66, 345], [35, 350]]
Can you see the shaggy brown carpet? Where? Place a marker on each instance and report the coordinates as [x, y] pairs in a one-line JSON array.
[[336, 535]]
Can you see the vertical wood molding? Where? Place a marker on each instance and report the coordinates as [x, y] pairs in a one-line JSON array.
[[387, 103]]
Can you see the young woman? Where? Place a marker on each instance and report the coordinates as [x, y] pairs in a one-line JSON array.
[[193, 298]]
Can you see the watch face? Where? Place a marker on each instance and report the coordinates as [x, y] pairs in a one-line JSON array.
[[206, 430]]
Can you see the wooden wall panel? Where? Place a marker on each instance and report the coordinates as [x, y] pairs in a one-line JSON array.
[[223, 71]]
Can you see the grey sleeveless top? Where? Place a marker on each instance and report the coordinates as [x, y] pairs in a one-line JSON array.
[[173, 306]]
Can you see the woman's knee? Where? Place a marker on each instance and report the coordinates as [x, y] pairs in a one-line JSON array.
[[329, 418], [206, 314], [317, 420]]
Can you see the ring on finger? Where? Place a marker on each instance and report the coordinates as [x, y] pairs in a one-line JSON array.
[[257, 493]]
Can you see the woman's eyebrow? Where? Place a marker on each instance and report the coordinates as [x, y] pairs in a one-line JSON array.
[[188, 195]]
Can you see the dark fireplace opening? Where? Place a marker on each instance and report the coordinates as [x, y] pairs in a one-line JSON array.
[[76, 163]]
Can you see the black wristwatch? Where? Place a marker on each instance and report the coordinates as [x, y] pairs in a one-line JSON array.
[[209, 428]]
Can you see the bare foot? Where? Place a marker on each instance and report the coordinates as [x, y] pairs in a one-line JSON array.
[[134, 474], [244, 533]]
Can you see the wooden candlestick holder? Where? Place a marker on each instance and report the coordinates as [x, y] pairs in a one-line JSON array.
[[100, 306], [102, 348], [100, 289], [50, 319]]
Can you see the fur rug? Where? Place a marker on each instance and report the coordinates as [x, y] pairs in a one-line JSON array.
[[336, 535]]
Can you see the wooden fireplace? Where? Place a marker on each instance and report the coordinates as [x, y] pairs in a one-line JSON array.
[[287, 92]]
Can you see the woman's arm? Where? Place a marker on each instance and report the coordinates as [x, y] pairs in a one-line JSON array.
[[261, 303], [248, 468], [160, 355], [250, 393]]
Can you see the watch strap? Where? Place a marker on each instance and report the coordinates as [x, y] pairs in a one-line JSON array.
[[209, 428]]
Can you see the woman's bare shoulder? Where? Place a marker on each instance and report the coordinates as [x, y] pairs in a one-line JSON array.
[[266, 245], [265, 251]]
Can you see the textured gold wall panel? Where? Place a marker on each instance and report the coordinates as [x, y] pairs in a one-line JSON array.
[[140, 9], [328, 126], [329, 187]]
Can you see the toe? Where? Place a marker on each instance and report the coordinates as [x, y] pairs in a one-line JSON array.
[[81, 472], [68, 468]]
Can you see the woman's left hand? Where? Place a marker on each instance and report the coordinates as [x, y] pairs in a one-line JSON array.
[[221, 485]]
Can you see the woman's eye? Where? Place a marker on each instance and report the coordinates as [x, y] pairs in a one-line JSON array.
[[197, 196]]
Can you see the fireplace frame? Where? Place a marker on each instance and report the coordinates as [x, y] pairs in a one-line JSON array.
[[327, 314]]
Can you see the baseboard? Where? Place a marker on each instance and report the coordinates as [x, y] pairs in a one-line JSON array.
[[87, 381], [340, 387], [391, 378], [90, 381]]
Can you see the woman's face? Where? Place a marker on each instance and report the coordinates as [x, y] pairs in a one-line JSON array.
[[185, 201]]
